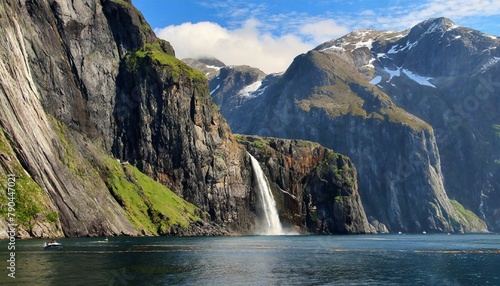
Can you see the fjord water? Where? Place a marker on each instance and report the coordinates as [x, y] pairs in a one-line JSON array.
[[432, 259], [270, 221]]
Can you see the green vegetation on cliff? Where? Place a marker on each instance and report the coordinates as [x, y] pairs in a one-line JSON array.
[[152, 208], [467, 215], [153, 54], [30, 200], [253, 141]]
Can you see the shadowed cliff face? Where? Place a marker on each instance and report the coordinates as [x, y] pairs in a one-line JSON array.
[[168, 125], [324, 96], [83, 203], [314, 187]]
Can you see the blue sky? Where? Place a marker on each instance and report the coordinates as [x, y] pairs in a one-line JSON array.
[[269, 34]]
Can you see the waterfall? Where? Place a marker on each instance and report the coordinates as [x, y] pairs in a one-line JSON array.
[[270, 221]]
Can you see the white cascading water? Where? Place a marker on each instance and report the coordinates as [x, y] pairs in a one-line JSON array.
[[270, 221]]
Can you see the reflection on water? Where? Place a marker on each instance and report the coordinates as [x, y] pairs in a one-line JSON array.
[[260, 260]]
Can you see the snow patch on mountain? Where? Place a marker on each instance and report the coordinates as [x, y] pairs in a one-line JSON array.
[[397, 48], [422, 80], [214, 67], [212, 92], [490, 63], [367, 44], [370, 63], [392, 73], [251, 90], [333, 48], [376, 80]]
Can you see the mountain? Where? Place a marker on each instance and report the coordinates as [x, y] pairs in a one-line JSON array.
[[209, 66], [329, 95], [447, 75], [106, 132]]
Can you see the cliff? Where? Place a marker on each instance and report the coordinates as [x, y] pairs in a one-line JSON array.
[[314, 187], [447, 75], [108, 133], [68, 103]]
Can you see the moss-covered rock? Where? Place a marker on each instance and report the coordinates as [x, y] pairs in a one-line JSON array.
[[152, 208], [32, 205], [152, 54]]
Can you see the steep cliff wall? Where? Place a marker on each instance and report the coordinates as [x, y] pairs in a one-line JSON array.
[[314, 187], [168, 125], [84, 207]]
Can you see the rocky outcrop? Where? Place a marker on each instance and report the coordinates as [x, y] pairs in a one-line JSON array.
[[324, 96], [314, 187]]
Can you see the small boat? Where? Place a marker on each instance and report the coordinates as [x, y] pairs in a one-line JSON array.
[[52, 245]]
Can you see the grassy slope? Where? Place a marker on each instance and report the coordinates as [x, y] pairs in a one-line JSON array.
[[152, 54], [152, 208], [467, 215], [31, 201]]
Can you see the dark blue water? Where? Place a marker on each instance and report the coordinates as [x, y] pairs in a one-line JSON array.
[[260, 260]]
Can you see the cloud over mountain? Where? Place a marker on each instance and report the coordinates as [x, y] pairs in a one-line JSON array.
[[245, 45]]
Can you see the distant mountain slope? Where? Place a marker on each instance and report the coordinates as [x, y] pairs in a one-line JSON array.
[[326, 96], [208, 66], [449, 76]]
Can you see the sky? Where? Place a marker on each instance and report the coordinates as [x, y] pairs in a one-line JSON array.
[[268, 34]]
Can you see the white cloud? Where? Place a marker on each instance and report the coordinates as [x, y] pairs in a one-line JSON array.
[[323, 30], [243, 46]]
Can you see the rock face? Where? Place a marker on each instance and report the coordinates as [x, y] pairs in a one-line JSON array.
[[325, 96], [314, 187], [447, 75], [97, 68], [31, 136], [107, 133]]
